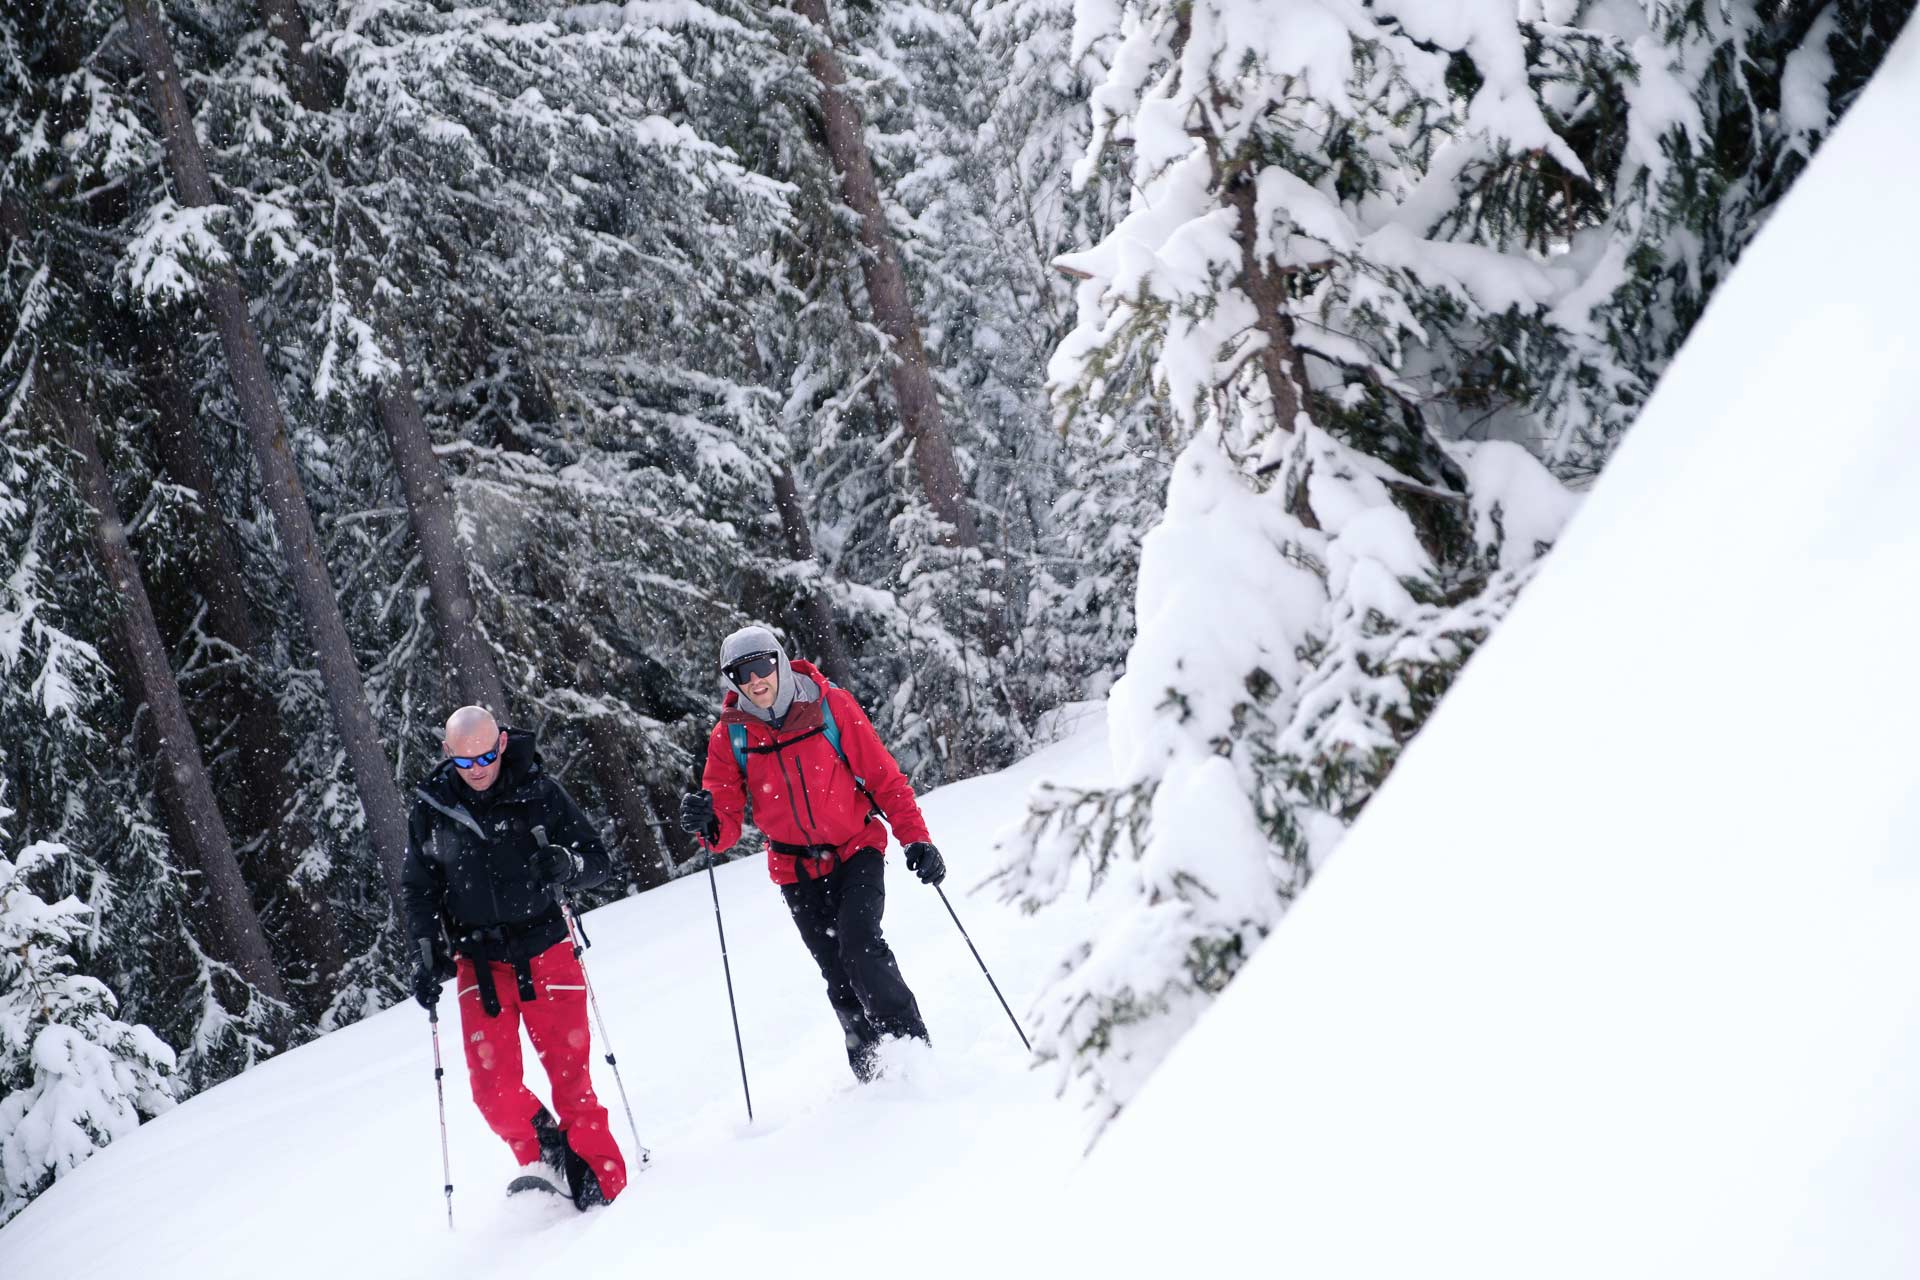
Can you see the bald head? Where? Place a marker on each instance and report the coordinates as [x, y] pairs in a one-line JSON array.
[[469, 725], [472, 732]]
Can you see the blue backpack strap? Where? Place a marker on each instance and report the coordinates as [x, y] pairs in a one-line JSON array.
[[832, 731], [738, 733]]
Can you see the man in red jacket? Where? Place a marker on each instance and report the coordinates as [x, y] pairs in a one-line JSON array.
[[821, 809]]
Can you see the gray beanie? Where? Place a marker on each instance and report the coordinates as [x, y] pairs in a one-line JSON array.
[[791, 686]]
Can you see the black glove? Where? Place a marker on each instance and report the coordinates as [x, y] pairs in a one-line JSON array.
[[696, 815], [426, 984], [925, 861], [556, 867], [432, 966]]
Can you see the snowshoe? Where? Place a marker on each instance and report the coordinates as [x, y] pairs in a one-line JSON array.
[[535, 1178]]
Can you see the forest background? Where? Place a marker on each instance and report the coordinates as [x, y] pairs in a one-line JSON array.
[[1234, 361]]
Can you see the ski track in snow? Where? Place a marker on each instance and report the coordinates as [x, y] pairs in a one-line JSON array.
[[325, 1161]]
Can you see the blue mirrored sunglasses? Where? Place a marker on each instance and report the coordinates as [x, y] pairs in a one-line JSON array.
[[470, 762]]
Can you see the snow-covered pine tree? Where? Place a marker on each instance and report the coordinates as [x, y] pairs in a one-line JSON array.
[[925, 83], [73, 773], [820, 369], [988, 307], [1382, 273], [1074, 588], [583, 413], [1692, 121], [73, 767], [73, 1077], [574, 313], [1330, 552]]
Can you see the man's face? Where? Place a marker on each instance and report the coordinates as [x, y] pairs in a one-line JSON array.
[[478, 742], [758, 677], [761, 689]]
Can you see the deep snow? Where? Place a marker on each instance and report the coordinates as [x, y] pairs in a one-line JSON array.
[[1619, 974], [325, 1162]]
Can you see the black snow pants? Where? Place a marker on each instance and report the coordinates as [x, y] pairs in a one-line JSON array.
[[838, 916]]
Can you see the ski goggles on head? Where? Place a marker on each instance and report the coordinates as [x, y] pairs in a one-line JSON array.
[[751, 667], [473, 762]]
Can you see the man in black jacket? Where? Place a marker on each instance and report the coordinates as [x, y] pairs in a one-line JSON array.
[[492, 843]]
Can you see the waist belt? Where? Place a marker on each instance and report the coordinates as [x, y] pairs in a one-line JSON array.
[[829, 853], [502, 942]]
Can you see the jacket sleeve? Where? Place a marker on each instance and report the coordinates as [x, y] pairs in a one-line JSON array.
[[871, 760], [568, 828], [722, 778], [423, 886]]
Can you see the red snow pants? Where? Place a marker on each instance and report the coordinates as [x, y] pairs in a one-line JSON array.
[[556, 1022]]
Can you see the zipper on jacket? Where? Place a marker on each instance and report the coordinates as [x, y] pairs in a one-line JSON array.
[[798, 821], [486, 852], [800, 772]]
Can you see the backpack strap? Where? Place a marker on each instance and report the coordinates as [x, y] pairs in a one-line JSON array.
[[832, 732], [829, 729]]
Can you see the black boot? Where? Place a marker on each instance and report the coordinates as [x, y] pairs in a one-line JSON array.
[[585, 1186], [553, 1146], [866, 959], [572, 1172]]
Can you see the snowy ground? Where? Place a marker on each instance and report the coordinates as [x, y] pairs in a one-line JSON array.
[[326, 1162]]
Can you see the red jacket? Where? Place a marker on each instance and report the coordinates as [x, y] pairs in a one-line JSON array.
[[803, 793]]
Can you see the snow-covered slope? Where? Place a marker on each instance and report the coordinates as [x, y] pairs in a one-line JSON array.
[[1620, 973], [326, 1162]]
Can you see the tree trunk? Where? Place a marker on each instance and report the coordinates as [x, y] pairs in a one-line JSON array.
[[476, 675], [822, 633], [634, 818], [307, 79], [636, 806], [199, 833], [267, 794], [266, 426], [1286, 373], [892, 307]]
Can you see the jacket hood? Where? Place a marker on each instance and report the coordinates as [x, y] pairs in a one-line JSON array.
[[793, 686], [520, 764]]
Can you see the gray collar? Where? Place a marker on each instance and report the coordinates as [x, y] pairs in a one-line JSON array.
[[458, 813]]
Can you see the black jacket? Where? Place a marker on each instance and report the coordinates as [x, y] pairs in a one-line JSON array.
[[469, 857]]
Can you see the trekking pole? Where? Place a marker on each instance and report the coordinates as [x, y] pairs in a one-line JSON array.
[[439, 1085], [576, 934], [983, 967], [727, 968], [644, 1156]]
